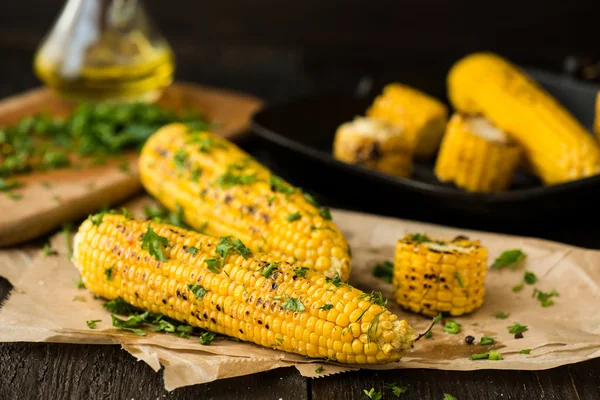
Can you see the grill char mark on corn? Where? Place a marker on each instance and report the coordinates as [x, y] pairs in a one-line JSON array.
[[429, 279], [254, 212], [239, 302]]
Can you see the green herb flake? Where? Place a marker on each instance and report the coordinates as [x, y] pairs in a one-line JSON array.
[[452, 327], [419, 238], [80, 284], [226, 245], [428, 335], [384, 271], [310, 199], [119, 306], [180, 158], [155, 244], [213, 265], [278, 185], [132, 324], [495, 355], [448, 397], [459, 280], [480, 356], [184, 331], [372, 394], [301, 272], [161, 325], [319, 370], [14, 196], [198, 290], [48, 251], [92, 323], [525, 351], [294, 216], [292, 304], [6, 185], [545, 298], [376, 297], [108, 273], [267, 271], [192, 250], [518, 287], [502, 315], [196, 172], [206, 338], [509, 258], [517, 328], [396, 389], [530, 278], [234, 176], [326, 307], [485, 340], [325, 214]]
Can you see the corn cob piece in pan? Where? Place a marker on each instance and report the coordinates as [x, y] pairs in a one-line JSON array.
[[374, 144], [220, 285], [476, 156], [221, 191], [421, 117], [439, 276], [557, 146]]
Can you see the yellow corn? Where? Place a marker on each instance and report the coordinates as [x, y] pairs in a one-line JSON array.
[[223, 191], [374, 144], [244, 298], [476, 156], [432, 277], [558, 147], [421, 117]]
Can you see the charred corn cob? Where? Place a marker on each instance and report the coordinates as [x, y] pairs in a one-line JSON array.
[[558, 147], [421, 117], [220, 285], [439, 276], [476, 156], [374, 144], [221, 190]]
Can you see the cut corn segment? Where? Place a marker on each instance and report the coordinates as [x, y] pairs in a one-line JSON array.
[[421, 117], [439, 276], [221, 190], [558, 147], [476, 156], [374, 144], [252, 297]]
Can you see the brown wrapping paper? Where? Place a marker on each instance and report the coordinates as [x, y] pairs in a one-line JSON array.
[[47, 306]]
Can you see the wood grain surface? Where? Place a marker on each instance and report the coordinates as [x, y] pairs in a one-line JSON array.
[[68, 194]]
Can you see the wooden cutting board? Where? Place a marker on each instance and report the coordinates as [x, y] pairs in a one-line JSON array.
[[52, 198]]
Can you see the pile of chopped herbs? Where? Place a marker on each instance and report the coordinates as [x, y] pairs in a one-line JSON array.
[[88, 136]]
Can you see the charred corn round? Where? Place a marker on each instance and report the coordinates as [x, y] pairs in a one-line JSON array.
[[558, 147], [421, 117], [439, 276], [223, 191], [476, 156], [252, 297], [374, 144]]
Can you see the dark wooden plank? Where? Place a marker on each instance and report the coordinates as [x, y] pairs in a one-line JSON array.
[[64, 371]]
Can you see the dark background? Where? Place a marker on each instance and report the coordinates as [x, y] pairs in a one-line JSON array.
[[277, 49]]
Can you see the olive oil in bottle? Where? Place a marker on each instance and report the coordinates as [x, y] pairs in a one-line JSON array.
[[105, 50]]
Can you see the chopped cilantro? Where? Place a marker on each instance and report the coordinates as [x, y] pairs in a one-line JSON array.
[[6, 184], [530, 278], [459, 280], [545, 298], [271, 199], [132, 324], [301, 272], [502, 315], [234, 176], [196, 172], [92, 323], [278, 185], [294, 216], [108, 273], [198, 290], [396, 389], [376, 297], [184, 331], [119, 306], [80, 284], [517, 328], [485, 340], [325, 214], [192, 250], [14, 196], [48, 251], [319, 369], [372, 394], [336, 280], [448, 397], [419, 238], [292, 304], [154, 243], [162, 325], [310, 199], [495, 355], [509, 258], [267, 271], [428, 335], [525, 351], [326, 307], [180, 158], [226, 245], [518, 287], [206, 338], [213, 265], [384, 271]]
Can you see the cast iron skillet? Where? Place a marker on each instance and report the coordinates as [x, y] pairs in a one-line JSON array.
[[303, 132]]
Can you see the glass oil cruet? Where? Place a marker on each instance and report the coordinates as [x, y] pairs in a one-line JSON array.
[[105, 50]]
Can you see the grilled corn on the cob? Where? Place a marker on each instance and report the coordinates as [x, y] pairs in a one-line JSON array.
[[438, 276], [421, 117], [222, 287], [558, 147], [221, 190], [476, 156], [374, 144]]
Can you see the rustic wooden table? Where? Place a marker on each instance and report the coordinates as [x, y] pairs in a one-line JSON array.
[[60, 371]]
